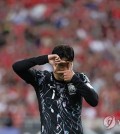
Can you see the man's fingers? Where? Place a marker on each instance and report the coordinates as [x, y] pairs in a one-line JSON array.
[[54, 57], [57, 57], [60, 72], [60, 62], [57, 60], [63, 61]]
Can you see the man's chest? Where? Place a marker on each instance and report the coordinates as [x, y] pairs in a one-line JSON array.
[[57, 95]]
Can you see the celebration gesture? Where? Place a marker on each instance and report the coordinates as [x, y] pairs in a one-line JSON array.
[[53, 58]]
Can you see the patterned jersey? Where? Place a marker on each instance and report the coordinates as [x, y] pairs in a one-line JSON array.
[[59, 103]]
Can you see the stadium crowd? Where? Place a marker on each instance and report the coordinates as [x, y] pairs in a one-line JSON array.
[[32, 28]]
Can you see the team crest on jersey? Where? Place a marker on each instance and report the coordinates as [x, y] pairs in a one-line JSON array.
[[71, 89]]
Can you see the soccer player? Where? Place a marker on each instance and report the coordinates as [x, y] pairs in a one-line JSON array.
[[60, 92]]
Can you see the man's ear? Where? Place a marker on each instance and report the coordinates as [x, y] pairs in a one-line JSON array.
[[70, 65]]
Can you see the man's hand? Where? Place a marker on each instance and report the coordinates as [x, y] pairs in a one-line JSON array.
[[53, 59], [67, 74]]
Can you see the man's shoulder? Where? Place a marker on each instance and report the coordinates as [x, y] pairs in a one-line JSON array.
[[83, 77], [39, 72], [45, 72], [41, 76]]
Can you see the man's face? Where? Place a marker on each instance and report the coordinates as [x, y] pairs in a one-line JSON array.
[[62, 66]]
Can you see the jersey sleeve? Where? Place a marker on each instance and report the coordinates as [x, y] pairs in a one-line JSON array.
[[82, 83], [23, 68]]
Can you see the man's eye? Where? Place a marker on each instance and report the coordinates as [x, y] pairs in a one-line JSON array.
[[61, 65]]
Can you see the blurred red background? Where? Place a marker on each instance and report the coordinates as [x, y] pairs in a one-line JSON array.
[[33, 27]]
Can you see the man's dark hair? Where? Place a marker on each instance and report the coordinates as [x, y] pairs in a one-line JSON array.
[[64, 51]]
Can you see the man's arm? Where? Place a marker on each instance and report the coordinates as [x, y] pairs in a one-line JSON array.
[[86, 90], [82, 84], [22, 68]]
